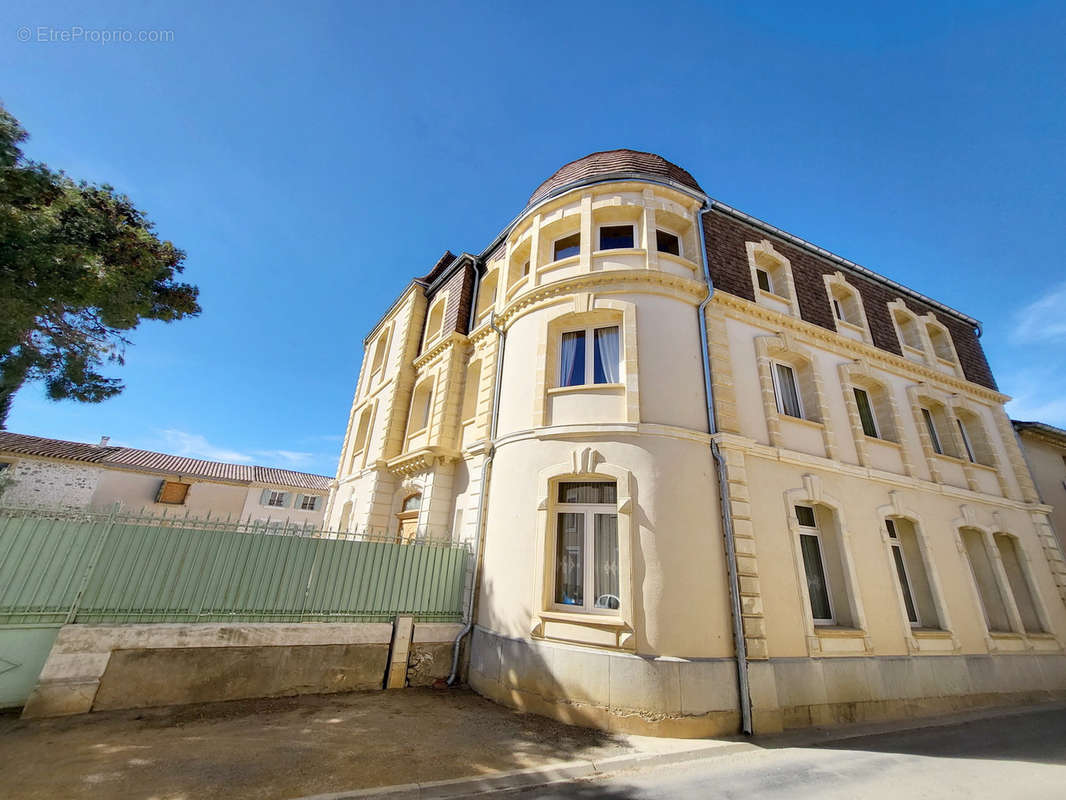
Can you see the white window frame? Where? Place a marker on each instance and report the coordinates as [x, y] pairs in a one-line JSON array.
[[558, 239], [930, 428], [599, 228], [590, 355], [589, 510], [966, 443], [806, 530], [677, 235], [873, 410], [302, 505], [278, 494], [895, 542], [777, 390]]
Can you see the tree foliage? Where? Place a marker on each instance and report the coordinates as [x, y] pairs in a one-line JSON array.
[[80, 266]]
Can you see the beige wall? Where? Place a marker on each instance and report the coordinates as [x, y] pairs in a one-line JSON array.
[[136, 490], [666, 653], [1049, 471]]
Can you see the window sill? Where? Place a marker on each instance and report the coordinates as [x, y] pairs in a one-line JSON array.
[[914, 354], [851, 326], [585, 618], [981, 466], [809, 423], [516, 286], [838, 632], [586, 387], [620, 251], [778, 298], [879, 440], [562, 262], [678, 260], [930, 633], [962, 462]]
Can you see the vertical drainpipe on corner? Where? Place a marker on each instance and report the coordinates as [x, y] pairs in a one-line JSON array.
[[723, 489], [485, 471]]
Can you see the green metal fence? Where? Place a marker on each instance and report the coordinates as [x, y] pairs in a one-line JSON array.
[[71, 567]]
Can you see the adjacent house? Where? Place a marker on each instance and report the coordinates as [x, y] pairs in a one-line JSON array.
[[1045, 450], [718, 476], [53, 473]]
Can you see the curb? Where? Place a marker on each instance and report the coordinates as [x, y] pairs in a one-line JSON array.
[[534, 776]]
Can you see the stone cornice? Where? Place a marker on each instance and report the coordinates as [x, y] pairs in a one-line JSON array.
[[613, 280], [453, 339], [421, 460], [739, 308]]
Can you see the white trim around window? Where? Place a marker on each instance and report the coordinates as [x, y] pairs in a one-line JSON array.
[[600, 355], [789, 399]]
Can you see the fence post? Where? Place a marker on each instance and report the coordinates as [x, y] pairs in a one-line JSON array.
[[109, 526]]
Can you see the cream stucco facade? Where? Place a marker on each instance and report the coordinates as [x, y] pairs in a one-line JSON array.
[[892, 556]]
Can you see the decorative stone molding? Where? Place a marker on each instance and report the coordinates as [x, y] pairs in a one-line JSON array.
[[827, 640], [858, 374], [762, 255], [746, 310], [917, 642], [785, 349], [837, 281], [612, 630], [421, 460]]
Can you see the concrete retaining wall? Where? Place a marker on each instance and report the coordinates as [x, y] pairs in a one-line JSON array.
[[697, 698], [97, 667]]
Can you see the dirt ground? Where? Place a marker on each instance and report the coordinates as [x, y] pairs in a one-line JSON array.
[[282, 748]]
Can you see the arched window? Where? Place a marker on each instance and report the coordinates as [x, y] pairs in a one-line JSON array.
[[470, 391], [912, 577], [346, 516], [435, 320], [421, 405], [486, 293], [984, 577], [412, 502], [380, 349], [1018, 582], [908, 330], [359, 440], [941, 341]]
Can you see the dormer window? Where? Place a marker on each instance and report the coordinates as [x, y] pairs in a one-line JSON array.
[[764, 280], [567, 246], [616, 237], [666, 242], [771, 277]]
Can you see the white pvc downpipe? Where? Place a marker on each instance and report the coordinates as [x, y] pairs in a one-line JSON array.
[[486, 466], [739, 643]]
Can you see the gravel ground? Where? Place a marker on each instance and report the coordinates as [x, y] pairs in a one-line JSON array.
[[283, 747]]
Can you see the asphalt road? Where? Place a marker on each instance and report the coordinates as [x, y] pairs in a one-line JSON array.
[[1015, 756]]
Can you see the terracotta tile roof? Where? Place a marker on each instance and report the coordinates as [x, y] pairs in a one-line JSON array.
[[132, 458], [610, 161], [52, 448]]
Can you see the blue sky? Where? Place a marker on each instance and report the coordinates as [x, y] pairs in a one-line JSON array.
[[313, 157]]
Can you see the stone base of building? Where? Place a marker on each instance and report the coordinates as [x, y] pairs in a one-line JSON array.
[[690, 698], [106, 667]]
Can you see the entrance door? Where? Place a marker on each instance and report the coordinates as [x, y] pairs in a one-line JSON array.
[[408, 517]]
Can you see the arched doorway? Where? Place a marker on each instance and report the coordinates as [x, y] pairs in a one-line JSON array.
[[408, 517]]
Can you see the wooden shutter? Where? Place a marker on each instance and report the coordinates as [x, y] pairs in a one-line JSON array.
[[172, 492]]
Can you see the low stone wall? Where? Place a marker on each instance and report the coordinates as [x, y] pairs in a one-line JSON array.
[[698, 698], [97, 667]]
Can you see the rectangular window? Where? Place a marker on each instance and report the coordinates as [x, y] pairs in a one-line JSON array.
[[572, 365], [616, 237], [575, 369], [901, 573], [275, 499], [666, 242], [838, 310], [567, 246], [966, 441], [587, 493], [172, 493], [814, 567], [763, 277], [308, 502], [4, 465], [866, 412], [525, 269], [788, 401], [934, 439], [586, 547]]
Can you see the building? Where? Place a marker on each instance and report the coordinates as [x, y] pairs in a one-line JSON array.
[[718, 477], [1045, 450], [54, 473]]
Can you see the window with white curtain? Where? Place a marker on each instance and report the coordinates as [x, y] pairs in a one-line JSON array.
[[586, 547], [590, 356]]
